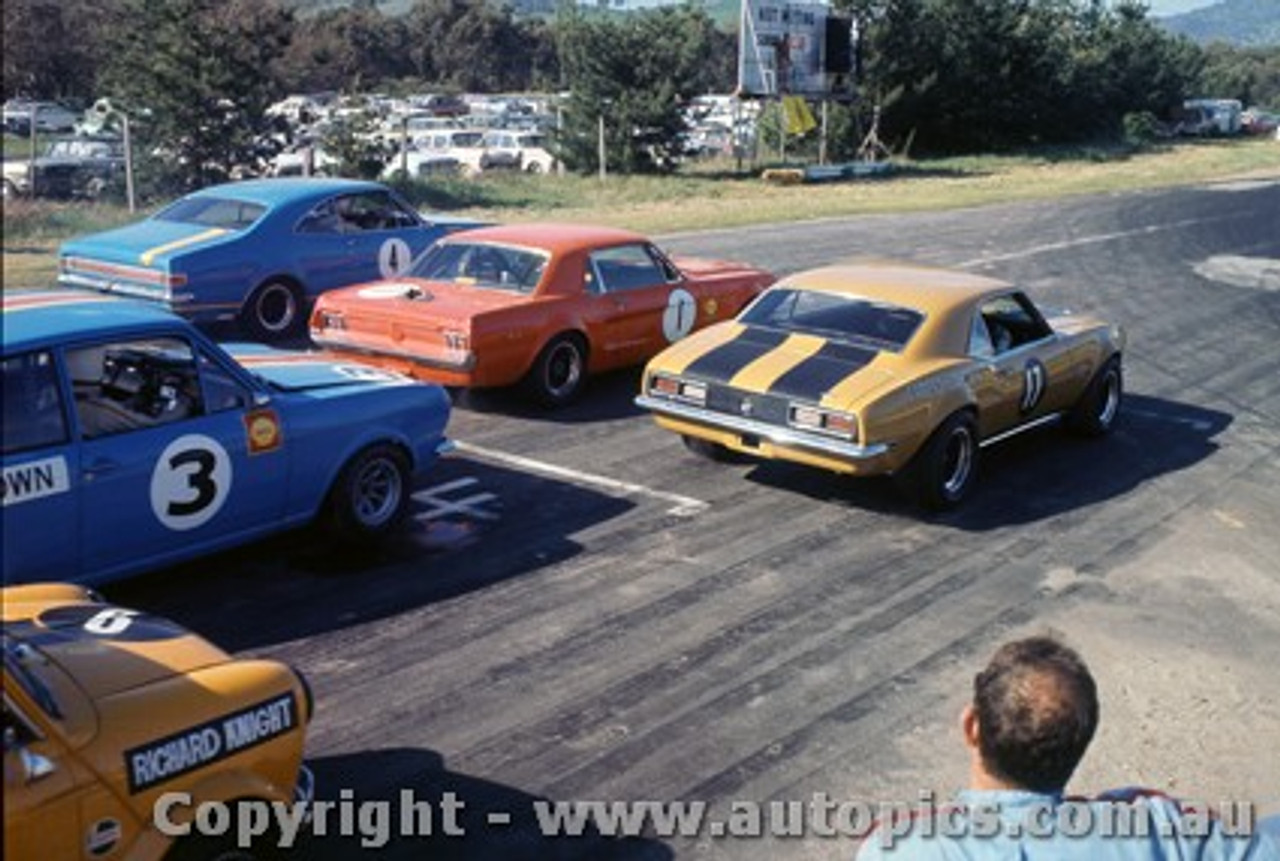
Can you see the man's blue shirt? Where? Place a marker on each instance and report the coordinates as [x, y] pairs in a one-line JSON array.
[[1126, 825]]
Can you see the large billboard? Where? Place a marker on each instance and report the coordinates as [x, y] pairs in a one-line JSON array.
[[792, 49]]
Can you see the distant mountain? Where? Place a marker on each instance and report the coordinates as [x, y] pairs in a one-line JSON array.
[[1245, 23]]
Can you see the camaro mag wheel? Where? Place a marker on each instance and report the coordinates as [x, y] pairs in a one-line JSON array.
[[273, 312], [944, 468], [371, 495], [1095, 413], [558, 373]]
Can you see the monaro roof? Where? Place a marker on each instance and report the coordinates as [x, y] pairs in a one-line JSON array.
[[272, 192], [557, 238], [923, 288], [35, 317]]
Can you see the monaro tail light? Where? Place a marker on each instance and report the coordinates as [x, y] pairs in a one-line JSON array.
[[824, 421], [688, 391]]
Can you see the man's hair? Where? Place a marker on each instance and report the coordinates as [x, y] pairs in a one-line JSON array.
[[1037, 709]]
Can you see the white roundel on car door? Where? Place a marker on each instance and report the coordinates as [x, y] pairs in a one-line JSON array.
[[681, 312], [190, 482], [394, 258]]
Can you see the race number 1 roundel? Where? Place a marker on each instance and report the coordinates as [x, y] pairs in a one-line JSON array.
[[190, 482], [394, 258], [678, 318]]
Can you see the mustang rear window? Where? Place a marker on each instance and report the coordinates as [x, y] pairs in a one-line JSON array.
[[831, 315], [213, 212], [482, 265]]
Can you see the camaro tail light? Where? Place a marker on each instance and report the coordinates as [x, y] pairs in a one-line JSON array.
[[677, 389], [824, 421]]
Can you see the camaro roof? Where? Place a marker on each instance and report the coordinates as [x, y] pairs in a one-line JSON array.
[[922, 287], [34, 317], [549, 235]]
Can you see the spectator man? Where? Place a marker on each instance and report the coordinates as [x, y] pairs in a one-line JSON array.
[[1033, 714]]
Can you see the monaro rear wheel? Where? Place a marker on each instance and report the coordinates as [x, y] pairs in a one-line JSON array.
[[371, 496], [1096, 411], [559, 372], [273, 312], [942, 472]]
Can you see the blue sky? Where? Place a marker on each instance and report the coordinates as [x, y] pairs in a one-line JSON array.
[[1174, 7]]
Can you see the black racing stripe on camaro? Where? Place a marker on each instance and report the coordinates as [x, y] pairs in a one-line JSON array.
[[812, 378], [724, 361]]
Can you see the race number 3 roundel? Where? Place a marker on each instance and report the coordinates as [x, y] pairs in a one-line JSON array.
[[394, 258], [681, 312], [190, 482]]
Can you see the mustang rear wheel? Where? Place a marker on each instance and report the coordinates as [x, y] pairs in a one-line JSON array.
[[371, 496], [559, 372], [273, 312], [943, 471], [1095, 413]]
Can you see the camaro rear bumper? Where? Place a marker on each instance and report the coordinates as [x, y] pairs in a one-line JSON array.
[[780, 436]]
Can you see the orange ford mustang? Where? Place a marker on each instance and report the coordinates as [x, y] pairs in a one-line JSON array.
[[542, 305]]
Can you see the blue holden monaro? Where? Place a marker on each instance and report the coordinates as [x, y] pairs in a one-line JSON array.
[[257, 250], [132, 441]]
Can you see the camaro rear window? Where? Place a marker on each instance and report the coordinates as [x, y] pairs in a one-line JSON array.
[[835, 316], [213, 212], [482, 265]]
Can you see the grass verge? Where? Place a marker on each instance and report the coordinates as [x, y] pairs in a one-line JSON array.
[[714, 195]]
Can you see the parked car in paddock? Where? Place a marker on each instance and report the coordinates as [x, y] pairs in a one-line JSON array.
[[886, 369], [107, 710], [47, 117], [70, 167], [539, 304], [522, 150], [131, 441], [257, 250]]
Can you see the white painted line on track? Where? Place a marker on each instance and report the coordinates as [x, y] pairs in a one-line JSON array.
[[468, 506], [682, 506], [1088, 240]]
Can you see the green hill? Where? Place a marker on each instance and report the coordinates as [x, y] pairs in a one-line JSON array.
[[1244, 23]]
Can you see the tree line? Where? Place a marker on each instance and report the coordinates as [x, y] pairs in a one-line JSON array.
[[944, 75]]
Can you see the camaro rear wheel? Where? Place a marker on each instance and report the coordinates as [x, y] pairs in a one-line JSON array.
[[1096, 411], [559, 372], [371, 496], [273, 312], [943, 471]]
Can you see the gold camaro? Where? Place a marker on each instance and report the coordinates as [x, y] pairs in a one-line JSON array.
[[107, 710], [886, 369]]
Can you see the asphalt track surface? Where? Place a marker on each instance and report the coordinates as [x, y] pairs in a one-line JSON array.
[[582, 610]]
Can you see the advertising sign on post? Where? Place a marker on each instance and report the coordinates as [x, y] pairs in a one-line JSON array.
[[791, 48]]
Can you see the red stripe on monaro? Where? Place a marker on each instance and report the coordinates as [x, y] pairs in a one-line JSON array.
[[45, 300]]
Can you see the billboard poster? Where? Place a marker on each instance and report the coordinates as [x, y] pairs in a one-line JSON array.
[[782, 49]]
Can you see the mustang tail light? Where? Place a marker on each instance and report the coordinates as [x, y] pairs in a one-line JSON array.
[[677, 389], [456, 340], [824, 421], [328, 320]]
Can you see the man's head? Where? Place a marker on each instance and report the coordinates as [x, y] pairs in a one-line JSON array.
[[1034, 712]]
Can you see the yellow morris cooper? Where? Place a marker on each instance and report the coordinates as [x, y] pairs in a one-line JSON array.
[[108, 711], [886, 369]]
